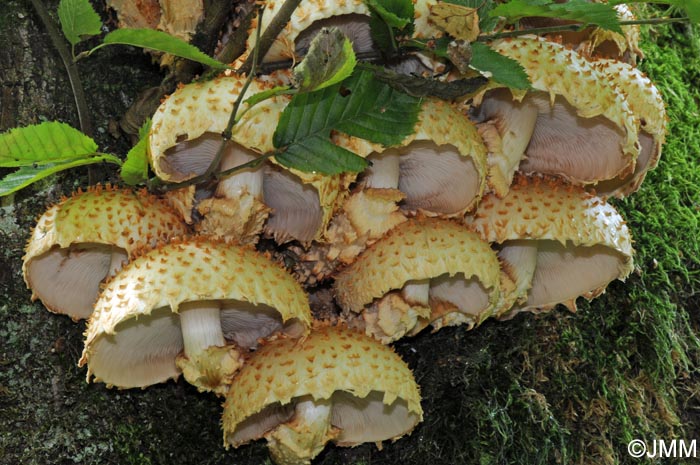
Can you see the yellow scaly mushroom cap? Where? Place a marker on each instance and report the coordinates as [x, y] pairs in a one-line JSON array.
[[581, 240], [438, 254], [370, 391], [134, 334], [559, 71], [82, 239], [646, 103]]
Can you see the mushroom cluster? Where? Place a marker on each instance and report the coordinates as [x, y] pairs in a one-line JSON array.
[[495, 205]]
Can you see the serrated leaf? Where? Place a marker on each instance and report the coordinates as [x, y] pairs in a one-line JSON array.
[[27, 175], [330, 59], [502, 69], [602, 15], [396, 13], [459, 21], [162, 42], [78, 20], [42, 143], [135, 168], [366, 108]]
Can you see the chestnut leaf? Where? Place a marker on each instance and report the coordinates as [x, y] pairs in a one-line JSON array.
[[501, 68], [135, 168], [78, 20], [360, 106], [603, 15]]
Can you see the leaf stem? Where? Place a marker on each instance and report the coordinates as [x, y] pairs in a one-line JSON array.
[[573, 27], [84, 119]]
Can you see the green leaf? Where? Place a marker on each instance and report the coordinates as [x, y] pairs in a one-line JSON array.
[[160, 41], [135, 168], [396, 13], [330, 59], [46, 142], [690, 7], [603, 15], [361, 106], [27, 175], [78, 20], [502, 69]]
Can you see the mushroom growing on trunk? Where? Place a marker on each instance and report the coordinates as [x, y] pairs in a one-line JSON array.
[[86, 238], [557, 242], [184, 139], [195, 307], [424, 271], [335, 385], [575, 123]]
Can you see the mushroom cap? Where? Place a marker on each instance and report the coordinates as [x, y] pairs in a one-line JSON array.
[[310, 11], [442, 124], [133, 337], [95, 224], [563, 73], [416, 250], [646, 103], [569, 223], [205, 107], [331, 363]]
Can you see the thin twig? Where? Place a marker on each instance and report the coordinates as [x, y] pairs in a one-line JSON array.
[[59, 43], [271, 32]]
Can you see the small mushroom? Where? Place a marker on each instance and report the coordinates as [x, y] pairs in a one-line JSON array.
[[195, 307], [557, 242], [334, 385], [86, 238], [584, 131], [424, 271], [184, 139]]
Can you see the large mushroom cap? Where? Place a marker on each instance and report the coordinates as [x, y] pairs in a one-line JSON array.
[[646, 103], [421, 270], [83, 239], [229, 296], [582, 243], [336, 385], [584, 131]]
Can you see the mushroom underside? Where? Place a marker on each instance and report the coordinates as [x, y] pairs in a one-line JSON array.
[[296, 207], [469, 296], [358, 420], [645, 160], [145, 348], [433, 178], [355, 27], [563, 273], [67, 280], [580, 149]]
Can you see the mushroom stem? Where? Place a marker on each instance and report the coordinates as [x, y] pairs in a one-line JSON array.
[[417, 292], [304, 436], [384, 172], [246, 181], [207, 361], [201, 326], [519, 258], [117, 260]]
